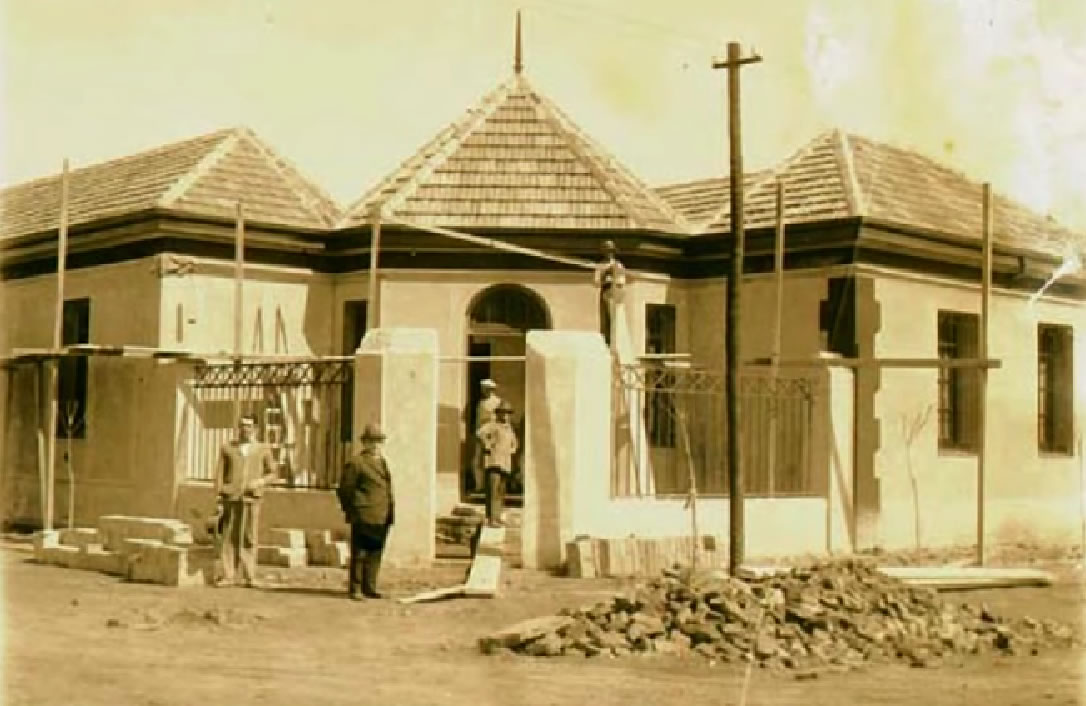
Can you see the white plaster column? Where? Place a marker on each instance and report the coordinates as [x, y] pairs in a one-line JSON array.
[[396, 386], [568, 450]]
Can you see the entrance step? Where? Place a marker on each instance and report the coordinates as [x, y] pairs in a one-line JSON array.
[[456, 530]]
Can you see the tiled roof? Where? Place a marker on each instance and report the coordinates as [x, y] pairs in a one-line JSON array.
[[516, 161], [838, 175], [203, 175]]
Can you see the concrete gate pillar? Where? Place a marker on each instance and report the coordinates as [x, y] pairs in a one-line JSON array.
[[567, 454], [395, 385]]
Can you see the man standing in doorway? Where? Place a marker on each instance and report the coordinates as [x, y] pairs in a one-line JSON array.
[[499, 443], [610, 278], [365, 494], [245, 468], [485, 412]]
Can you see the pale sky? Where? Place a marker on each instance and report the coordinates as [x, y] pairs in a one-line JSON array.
[[347, 89]]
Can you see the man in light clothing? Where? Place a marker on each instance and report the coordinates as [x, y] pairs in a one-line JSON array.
[[610, 278], [484, 412], [499, 443], [245, 468]]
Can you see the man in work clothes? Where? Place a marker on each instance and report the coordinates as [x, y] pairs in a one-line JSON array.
[[610, 277], [484, 412], [245, 467], [499, 443], [365, 494]]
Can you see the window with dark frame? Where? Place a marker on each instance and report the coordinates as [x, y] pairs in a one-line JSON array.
[[958, 388], [72, 378], [660, 339], [354, 329], [1055, 404]]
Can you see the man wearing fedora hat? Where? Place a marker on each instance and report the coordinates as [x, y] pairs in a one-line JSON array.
[[365, 494], [499, 443]]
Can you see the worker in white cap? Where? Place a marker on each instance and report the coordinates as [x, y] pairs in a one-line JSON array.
[[485, 411]]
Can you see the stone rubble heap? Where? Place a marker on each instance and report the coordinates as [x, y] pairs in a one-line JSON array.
[[831, 615]]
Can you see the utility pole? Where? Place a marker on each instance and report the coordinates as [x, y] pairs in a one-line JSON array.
[[733, 64]]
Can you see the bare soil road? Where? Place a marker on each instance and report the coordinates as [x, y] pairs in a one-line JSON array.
[[73, 637]]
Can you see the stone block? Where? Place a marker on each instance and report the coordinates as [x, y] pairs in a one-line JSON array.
[[285, 538], [94, 558], [287, 557], [580, 559], [115, 529], [79, 536], [44, 539], [155, 562], [60, 555], [618, 558]]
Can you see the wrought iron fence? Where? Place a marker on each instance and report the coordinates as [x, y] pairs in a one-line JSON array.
[[670, 422], [302, 409]]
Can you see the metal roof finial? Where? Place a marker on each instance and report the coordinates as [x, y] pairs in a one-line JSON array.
[[517, 63]]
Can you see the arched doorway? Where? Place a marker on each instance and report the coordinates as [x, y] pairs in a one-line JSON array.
[[499, 318]]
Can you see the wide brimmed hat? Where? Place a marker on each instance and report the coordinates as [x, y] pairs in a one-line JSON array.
[[373, 432], [488, 383]]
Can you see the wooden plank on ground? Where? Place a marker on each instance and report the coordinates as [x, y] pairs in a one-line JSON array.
[[435, 594]]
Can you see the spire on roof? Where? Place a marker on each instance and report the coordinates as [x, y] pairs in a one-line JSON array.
[[517, 63]]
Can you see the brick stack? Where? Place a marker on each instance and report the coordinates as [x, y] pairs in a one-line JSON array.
[[836, 615]]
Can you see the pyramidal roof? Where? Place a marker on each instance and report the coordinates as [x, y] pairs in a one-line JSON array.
[[837, 175], [204, 175], [516, 161]]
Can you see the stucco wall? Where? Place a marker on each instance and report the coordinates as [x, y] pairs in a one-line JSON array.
[[124, 305], [1029, 495], [286, 311], [704, 320], [127, 461]]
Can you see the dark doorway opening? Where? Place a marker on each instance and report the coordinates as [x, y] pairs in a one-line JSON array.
[[498, 323]]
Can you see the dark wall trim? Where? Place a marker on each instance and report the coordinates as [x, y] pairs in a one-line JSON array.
[[809, 246]]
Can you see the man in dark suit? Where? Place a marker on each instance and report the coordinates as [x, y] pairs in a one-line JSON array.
[[365, 494]]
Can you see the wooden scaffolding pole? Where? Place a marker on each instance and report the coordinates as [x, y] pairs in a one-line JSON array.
[[778, 313], [54, 372], [372, 309], [982, 372], [239, 279]]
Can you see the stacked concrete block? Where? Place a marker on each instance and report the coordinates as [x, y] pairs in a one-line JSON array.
[[282, 547], [80, 537], [138, 548], [42, 540], [632, 556], [325, 550], [152, 561], [115, 529]]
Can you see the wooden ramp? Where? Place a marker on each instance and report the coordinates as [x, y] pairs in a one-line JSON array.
[[485, 573]]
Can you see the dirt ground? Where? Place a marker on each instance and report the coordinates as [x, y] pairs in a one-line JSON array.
[[74, 637]]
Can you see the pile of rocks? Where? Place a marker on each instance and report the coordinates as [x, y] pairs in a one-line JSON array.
[[839, 614]]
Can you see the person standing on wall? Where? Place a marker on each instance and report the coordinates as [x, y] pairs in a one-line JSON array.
[[484, 413], [499, 443], [365, 494], [610, 278], [245, 468]]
